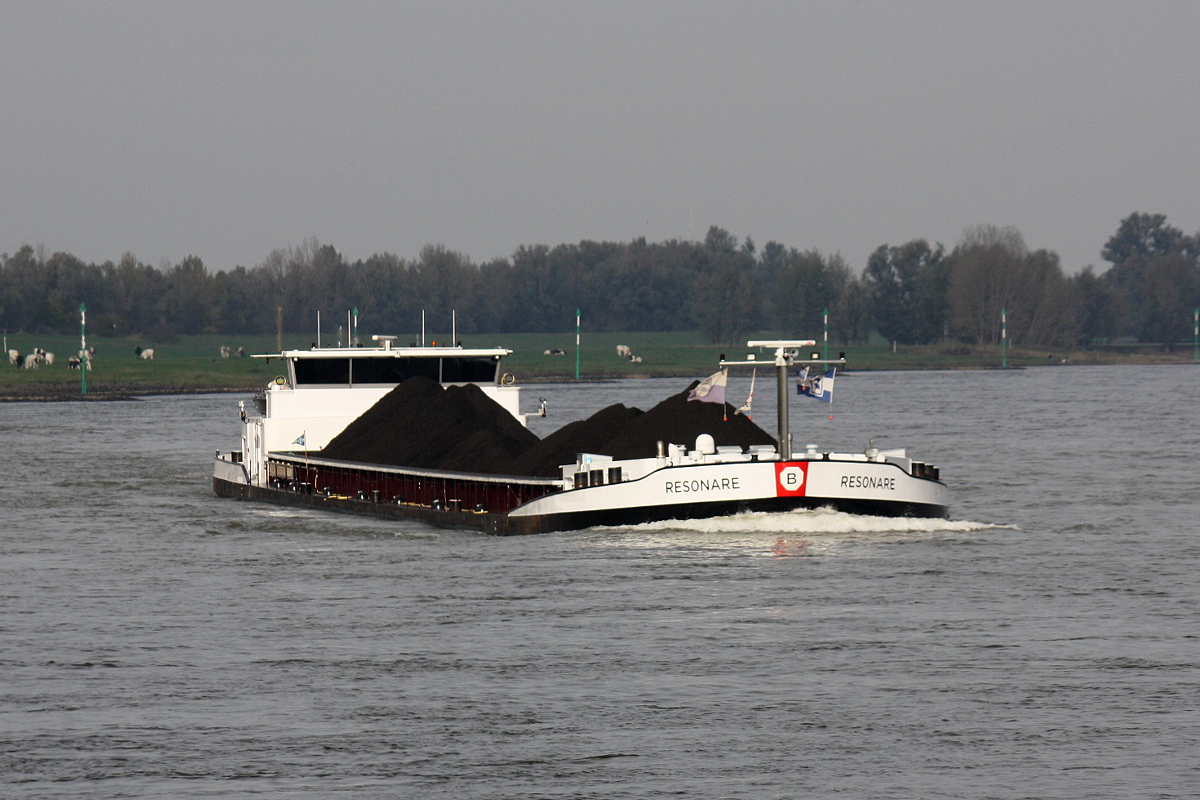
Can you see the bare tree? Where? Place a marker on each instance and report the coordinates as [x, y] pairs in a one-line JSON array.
[[983, 280]]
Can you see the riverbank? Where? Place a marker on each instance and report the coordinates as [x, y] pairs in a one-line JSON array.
[[62, 392], [115, 391], [188, 364]]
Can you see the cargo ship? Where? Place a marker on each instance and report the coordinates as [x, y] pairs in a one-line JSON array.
[[320, 393]]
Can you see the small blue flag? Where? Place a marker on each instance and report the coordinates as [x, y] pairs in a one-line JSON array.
[[819, 387]]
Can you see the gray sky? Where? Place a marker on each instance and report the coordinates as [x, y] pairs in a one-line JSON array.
[[228, 129]]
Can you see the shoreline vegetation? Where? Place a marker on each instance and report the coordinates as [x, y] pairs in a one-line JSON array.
[[193, 364]]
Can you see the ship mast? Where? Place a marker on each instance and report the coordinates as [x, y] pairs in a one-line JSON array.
[[787, 355]]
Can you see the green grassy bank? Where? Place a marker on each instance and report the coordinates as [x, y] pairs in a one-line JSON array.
[[193, 363]]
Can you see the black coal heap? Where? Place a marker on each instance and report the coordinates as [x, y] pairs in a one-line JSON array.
[[582, 436], [419, 424], [680, 421]]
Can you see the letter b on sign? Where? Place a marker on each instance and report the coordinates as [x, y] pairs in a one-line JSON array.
[[790, 479]]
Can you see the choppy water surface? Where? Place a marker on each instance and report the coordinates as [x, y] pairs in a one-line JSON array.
[[161, 642]]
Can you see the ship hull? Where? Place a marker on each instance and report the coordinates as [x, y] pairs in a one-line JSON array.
[[671, 493]]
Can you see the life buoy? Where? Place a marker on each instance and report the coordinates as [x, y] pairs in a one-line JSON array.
[[507, 379], [280, 380]]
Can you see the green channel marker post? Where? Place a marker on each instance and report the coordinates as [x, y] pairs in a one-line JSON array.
[[825, 337]]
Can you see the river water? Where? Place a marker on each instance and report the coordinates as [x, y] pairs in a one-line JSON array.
[[1044, 642]]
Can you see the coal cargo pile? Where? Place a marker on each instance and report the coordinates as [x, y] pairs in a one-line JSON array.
[[677, 420], [583, 436], [386, 420], [419, 424], [479, 435], [623, 432]]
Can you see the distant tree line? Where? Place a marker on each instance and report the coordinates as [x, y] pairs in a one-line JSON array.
[[911, 293]]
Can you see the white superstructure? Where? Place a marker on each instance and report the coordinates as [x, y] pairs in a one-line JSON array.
[[319, 392]]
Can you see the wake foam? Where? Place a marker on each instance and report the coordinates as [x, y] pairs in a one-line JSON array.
[[811, 522]]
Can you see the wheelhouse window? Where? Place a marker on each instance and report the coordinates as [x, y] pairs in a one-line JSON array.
[[318, 371], [480, 369], [363, 371], [393, 370]]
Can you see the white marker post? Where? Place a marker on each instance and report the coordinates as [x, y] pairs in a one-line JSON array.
[[1004, 338], [83, 359]]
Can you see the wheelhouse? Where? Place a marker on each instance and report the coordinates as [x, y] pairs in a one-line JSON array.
[[388, 368]]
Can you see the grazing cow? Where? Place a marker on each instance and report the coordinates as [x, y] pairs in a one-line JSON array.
[[32, 360], [48, 358], [14, 358], [623, 351], [241, 352], [636, 359], [147, 354], [226, 351], [73, 362]]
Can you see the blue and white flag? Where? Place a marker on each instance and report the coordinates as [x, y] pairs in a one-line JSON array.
[[300, 439], [819, 387], [711, 389]]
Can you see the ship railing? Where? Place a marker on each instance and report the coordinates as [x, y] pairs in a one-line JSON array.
[[437, 489]]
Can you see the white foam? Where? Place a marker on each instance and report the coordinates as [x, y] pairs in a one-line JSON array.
[[811, 522], [772, 541]]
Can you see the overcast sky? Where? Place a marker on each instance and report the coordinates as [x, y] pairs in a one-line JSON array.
[[228, 129]]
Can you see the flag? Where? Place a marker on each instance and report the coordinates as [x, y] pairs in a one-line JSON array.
[[300, 439], [746, 406], [711, 389], [818, 388]]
